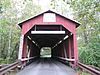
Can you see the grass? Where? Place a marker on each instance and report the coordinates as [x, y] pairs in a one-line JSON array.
[[82, 72], [12, 72]]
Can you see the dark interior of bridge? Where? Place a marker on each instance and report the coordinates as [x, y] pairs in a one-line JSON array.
[[57, 42], [60, 42]]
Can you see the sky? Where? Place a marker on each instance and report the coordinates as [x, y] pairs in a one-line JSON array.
[[44, 4]]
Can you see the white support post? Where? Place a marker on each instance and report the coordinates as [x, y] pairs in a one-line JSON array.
[[21, 47]]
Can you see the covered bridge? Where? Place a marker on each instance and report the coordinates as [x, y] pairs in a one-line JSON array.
[[49, 29]]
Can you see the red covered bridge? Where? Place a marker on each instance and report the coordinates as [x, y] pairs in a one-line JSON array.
[[49, 29]]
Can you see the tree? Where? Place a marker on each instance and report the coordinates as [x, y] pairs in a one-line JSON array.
[[62, 7], [87, 13], [10, 15]]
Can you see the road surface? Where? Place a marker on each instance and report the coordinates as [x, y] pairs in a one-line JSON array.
[[46, 66]]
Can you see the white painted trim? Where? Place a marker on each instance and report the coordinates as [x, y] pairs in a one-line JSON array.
[[20, 47], [25, 59], [65, 37], [65, 58], [47, 32]]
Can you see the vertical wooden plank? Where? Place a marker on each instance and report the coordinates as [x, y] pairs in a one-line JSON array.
[[65, 54], [21, 47], [72, 47], [69, 48], [24, 50], [75, 49]]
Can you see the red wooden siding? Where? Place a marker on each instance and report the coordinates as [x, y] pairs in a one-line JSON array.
[[39, 21]]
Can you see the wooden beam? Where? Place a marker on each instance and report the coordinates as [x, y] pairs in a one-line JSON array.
[[21, 47], [65, 58], [47, 32]]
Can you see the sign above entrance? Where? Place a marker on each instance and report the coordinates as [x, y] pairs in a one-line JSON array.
[[49, 17]]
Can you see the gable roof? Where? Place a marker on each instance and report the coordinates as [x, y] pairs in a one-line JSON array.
[[49, 11]]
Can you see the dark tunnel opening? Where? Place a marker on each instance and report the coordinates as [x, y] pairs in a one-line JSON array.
[[52, 36]]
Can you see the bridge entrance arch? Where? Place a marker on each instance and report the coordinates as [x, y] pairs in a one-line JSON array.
[[49, 29]]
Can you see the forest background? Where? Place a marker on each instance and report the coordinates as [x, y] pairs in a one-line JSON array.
[[86, 12]]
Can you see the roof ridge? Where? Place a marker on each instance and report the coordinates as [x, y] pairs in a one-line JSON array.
[[48, 11]]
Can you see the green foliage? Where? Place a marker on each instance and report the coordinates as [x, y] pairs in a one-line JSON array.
[[87, 12], [61, 6], [10, 15], [82, 72], [45, 52]]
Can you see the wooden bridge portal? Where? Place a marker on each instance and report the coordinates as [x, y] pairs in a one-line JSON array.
[[49, 29]]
